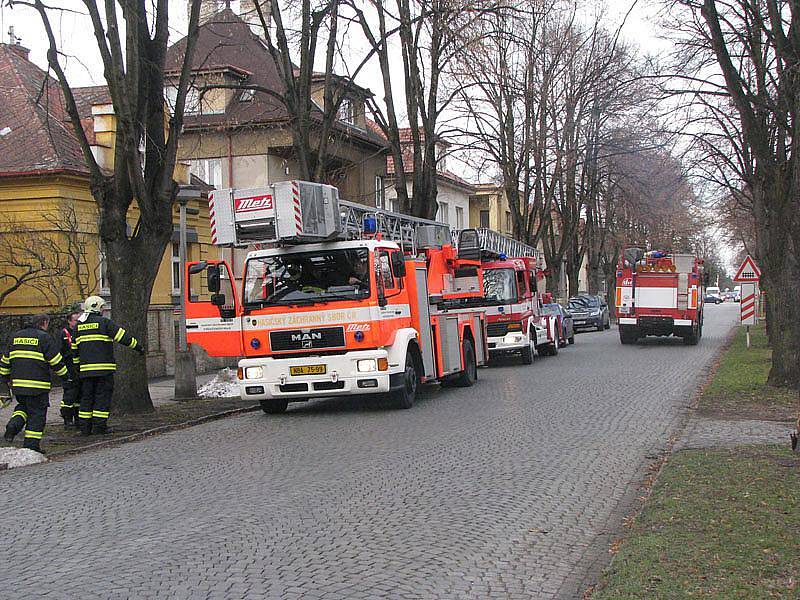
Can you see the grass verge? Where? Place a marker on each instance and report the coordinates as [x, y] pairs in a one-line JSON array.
[[721, 523], [739, 388], [59, 439]]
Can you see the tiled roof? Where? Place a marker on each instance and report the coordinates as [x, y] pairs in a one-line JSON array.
[[225, 41], [41, 138]]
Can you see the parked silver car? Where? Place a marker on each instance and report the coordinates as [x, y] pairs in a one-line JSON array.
[[589, 312]]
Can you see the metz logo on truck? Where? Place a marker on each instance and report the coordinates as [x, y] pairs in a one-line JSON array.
[[253, 203]]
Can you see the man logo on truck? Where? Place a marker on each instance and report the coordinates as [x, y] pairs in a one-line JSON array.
[[306, 337], [253, 203]]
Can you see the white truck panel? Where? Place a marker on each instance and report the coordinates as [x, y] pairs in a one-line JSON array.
[[656, 297]]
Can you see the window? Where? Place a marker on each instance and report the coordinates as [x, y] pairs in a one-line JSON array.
[[176, 268], [195, 104], [443, 214], [383, 270], [207, 169], [102, 270], [303, 277], [347, 111], [484, 219], [379, 191], [394, 204], [459, 217], [509, 224], [441, 156]]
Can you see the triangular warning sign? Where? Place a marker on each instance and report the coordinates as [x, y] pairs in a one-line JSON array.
[[748, 272]]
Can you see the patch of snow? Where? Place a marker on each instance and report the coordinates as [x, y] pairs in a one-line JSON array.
[[224, 385], [20, 457]]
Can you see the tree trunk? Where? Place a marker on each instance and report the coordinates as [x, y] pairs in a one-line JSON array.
[[132, 269]]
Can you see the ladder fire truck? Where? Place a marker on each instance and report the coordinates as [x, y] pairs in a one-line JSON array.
[[659, 293], [344, 300], [512, 299]]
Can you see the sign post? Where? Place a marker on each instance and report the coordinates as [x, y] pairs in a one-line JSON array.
[[748, 276]]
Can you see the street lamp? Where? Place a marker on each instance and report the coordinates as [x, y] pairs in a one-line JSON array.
[[185, 370]]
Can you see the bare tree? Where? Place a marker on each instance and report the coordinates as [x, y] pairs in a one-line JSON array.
[[133, 52], [746, 54], [31, 260]]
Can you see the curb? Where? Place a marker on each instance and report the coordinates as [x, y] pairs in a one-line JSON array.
[[155, 431]]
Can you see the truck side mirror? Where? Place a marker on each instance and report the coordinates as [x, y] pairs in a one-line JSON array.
[[398, 265], [197, 267], [218, 299], [213, 281]]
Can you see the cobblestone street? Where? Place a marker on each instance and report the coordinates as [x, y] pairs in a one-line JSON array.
[[510, 489]]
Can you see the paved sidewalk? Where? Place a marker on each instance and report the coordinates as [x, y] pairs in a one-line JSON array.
[[162, 392]]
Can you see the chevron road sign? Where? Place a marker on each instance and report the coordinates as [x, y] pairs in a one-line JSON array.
[[748, 304]]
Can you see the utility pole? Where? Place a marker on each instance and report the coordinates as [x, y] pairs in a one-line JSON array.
[[185, 370]]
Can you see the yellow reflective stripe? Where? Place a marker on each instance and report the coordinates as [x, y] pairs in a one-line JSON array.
[[62, 371], [119, 335], [64, 405], [99, 367], [36, 435], [4, 371], [4, 360], [101, 414], [30, 383], [20, 413], [84, 414], [93, 338], [133, 343], [56, 359], [26, 354]]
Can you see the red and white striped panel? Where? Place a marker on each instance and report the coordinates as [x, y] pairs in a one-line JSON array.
[[298, 213], [748, 309], [212, 217]]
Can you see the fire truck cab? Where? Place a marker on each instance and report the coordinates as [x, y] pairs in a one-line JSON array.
[[659, 293], [338, 316], [511, 298]]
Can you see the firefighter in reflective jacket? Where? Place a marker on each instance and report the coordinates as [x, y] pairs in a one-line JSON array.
[[71, 399], [94, 353], [31, 355]]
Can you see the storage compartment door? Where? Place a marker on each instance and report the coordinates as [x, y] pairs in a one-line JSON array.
[[424, 325]]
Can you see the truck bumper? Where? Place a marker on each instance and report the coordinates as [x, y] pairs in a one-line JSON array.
[[341, 376], [658, 325], [510, 342]]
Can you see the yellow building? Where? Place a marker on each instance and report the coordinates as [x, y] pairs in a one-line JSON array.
[[488, 207], [50, 250]]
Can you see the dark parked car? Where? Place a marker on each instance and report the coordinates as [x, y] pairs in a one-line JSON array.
[[589, 312], [565, 327]]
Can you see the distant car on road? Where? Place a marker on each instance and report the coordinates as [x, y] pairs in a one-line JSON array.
[[589, 312], [713, 295], [564, 317]]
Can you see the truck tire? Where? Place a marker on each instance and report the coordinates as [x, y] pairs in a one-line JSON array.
[[404, 397], [693, 338], [274, 407], [554, 346], [469, 375], [626, 336], [527, 352], [571, 339]]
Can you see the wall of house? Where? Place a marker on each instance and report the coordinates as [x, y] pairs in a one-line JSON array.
[[456, 199], [493, 200]]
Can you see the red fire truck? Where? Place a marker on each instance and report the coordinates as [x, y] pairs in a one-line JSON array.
[[512, 300], [659, 293], [345, 300]]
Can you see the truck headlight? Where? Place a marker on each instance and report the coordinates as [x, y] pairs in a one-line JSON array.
[[253, 372], [366, 365]]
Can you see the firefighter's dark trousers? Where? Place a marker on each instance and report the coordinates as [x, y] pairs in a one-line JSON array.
[[30, 414], [96, 395], [71, 401]]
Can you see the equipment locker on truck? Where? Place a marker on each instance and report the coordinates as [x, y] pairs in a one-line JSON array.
[[319, 314]]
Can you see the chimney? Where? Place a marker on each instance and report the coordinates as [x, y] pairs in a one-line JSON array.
[[15, 46], [249, 14]]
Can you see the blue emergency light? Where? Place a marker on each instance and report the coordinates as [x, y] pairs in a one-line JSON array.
[[370, 225], [503, 256], [359, 335], [255, 343]]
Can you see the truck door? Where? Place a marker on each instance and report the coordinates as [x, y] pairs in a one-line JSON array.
[[213, 316]]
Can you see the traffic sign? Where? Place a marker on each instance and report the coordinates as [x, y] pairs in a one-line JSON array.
[[748, 272], [748, 304]]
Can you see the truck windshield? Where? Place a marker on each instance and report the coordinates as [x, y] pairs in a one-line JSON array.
[[306, 277], [499, 286]]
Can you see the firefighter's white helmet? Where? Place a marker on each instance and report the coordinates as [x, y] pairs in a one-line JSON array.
[[94, 304]]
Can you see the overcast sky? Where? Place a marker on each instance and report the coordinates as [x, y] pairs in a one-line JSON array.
[[83, 66]]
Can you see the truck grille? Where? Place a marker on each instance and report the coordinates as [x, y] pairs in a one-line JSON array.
[[307, 339], [496, 329]]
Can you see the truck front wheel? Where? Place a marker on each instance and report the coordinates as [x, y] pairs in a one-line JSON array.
[[527, 351], [404, 397], [274, 407]]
